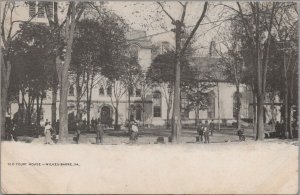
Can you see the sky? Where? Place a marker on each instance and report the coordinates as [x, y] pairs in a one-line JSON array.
[[148, 16]]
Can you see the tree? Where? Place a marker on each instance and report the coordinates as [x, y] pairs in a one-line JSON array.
[[162, 73], [32, 67], [232, 64], [286, 47], [63, 67], [256, 21], [176, 118], [8, 33]]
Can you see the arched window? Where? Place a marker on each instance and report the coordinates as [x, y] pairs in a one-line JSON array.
[[156, 104], [71, 90], [109, 90], [236, 104], [101, 91], [211, 105]]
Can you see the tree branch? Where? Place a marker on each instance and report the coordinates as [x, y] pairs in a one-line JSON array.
[[162, 7], [195, 29], [183, 12]]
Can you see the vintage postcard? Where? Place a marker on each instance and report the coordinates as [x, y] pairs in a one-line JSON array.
[[149, 97]]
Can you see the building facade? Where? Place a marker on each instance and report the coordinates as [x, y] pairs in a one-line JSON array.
[[150, 106]]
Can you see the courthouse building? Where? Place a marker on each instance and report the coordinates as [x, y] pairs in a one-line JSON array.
[[222, 101]]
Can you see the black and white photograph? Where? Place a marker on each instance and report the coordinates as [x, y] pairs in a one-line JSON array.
[[149, 97]]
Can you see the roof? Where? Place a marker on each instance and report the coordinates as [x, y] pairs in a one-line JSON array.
[[209, 67]]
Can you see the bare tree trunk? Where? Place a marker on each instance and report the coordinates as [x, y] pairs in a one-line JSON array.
[[291, 94], [238, 118], [78, 95], [53, 104], [254, 115], [176, 117], [39, 110], [169, 104], [63, 72], [129, 108], [63, 112], [168, 116], [260, 95], [116, 117], [196, 115], [5, 76], [286, 106], [143, 109], [272, 110]]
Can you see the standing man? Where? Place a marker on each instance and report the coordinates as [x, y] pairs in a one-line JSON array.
[[206, 132], [212, 127], [200, 131], [100, 132], [47, 132]]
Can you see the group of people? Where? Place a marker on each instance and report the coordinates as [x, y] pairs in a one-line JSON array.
[[99, 127], [204, 130]]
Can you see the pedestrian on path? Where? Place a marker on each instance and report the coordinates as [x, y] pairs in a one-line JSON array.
[[135, 131], [99, 132], [47, 132], [206, 132], [200, 131]]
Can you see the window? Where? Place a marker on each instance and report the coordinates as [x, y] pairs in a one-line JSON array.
[[101, 91], [71, 91], [41, 9], [42, 113], [138, 92], [156, 104], [156, 111], [32, 5], [49, 7], [108, 91]]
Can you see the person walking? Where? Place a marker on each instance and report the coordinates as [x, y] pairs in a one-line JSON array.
[[212, 127], [206, 132], [135, 131], [99, 132], [47, 132], [200, 131]]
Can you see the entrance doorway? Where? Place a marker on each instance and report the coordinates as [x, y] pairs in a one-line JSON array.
[[106, 115]]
